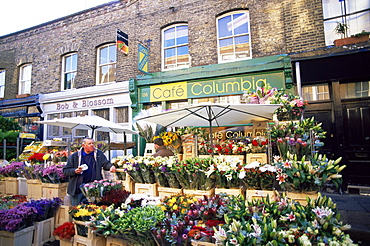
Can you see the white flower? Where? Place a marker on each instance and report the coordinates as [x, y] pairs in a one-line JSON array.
[[220, 235]]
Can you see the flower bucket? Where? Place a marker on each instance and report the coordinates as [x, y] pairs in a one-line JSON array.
[[22, 186], [19, 238], [49, 191], [167, 192], [34, 188], [11, 186], [301, 196], [43, 232]]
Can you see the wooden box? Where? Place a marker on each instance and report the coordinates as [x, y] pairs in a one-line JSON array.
[[2, 188], [11, 186], [199, 243], [230, 192], [149, 189], [200, 193], [258, 194], [111, 241], [167, 192], [84, 241], [34, 188], [43, 232], [301, 197], [62, 215], [49, 191], [260, 157]]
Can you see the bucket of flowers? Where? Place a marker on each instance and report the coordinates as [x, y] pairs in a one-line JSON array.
[[171, 140], [95, 190], [65, 231]]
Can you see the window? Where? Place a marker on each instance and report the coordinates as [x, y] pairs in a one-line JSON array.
[[355, 90], [315, 92], [2, 83], [106, 71], [25, 79], [69, 67], [175, 47], [233, 37], [65, 132], [122, 114], [99, 135], [355, 13]]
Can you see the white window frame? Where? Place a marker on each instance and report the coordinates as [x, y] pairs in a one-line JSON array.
[[354, 13], [243, 20], [177, 64], [108, 63], [25, 74], [69, 71], [2, 83]]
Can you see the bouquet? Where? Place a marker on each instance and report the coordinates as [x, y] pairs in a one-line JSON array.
[[65, 231], [13, 169], [53, 174], [94, 191]]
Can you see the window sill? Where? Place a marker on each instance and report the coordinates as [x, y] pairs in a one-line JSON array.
[[22, 95]]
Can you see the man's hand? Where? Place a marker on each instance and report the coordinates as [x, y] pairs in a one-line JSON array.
[[112, 169], [78, 170]]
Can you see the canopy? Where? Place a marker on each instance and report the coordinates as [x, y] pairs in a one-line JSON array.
[[211, 114]]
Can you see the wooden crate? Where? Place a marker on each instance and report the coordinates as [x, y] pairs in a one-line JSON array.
[[83, 225], [34, 188], [43, 232], [84, 241], [49, 191], [198, 243], [258, 194], [167, 192], [200, 193], [2, 188], [11, 186], [111, 241], [150, 189], [230, 192], [260, 157], [301, 197], [62, 215]]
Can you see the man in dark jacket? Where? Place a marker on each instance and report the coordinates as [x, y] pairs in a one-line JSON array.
[[84, 166], [161, 150]]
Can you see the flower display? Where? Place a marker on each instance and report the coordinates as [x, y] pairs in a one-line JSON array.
[[258, 144], [301, 176], [224, 147], [46, 208], [282, 222], [60, 156], [10, 201], [32, 170], [65, 231], [116, 197], [53, 173], [178, 204], [85, 211], [17, 218], [171, 140], [36, 157], [95, 190], [258, 176], [12, 169]]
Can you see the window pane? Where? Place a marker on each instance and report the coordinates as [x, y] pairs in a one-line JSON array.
[[182, 35], [223, 30], [78, 132], [316, 92], [233, 37], [355, 90], [112, 53], [169, 37], [104, 113], [122, 115], [107, 67], [53, 131], [103, 56], [2, 83]]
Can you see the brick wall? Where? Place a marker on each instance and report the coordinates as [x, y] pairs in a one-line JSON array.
[[277, 27]]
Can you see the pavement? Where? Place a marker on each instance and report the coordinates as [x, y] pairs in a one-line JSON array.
[[355, 211]]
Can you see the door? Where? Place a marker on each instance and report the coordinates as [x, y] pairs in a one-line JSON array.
[[356, 136]]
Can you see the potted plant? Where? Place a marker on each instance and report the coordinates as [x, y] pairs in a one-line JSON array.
[[342, 29]]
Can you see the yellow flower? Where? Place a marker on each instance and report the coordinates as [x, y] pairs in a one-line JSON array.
[[46, 156]]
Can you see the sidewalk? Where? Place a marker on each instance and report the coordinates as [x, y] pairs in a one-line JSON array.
[[354, 210]]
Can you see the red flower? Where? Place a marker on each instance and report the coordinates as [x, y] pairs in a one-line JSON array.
[[255, 143]]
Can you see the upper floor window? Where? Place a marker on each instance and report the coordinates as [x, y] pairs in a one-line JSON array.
[[107, 58], [175, 47], [316, 92], [233, 37], [25, 79], [69, 67], [354, 13], [355, 90], [2, 83]]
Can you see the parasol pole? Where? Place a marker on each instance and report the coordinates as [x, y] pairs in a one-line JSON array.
[[125, 143]]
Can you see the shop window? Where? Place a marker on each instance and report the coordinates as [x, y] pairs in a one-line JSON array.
[[315, 92], [107, 57], [233, 37], [355, 90], [65, 132], [69, 67], [175, 46], [104, 113], [122, 114], [178, 104], [25, 79], [354, 13], [2, 83]]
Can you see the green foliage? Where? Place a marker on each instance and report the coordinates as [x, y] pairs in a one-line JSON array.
[[8, 124], [147, 132], [341, 28]]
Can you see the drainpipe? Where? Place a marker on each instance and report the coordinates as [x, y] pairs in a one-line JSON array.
[[298, 78]]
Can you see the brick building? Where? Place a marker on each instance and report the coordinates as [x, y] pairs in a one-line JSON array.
[[287, 43]]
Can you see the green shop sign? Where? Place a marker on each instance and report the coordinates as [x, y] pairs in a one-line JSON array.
[[209, 87]]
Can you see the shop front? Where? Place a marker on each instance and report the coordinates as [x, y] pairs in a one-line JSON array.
[[218, 83], [337, 88], [110, 101]]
